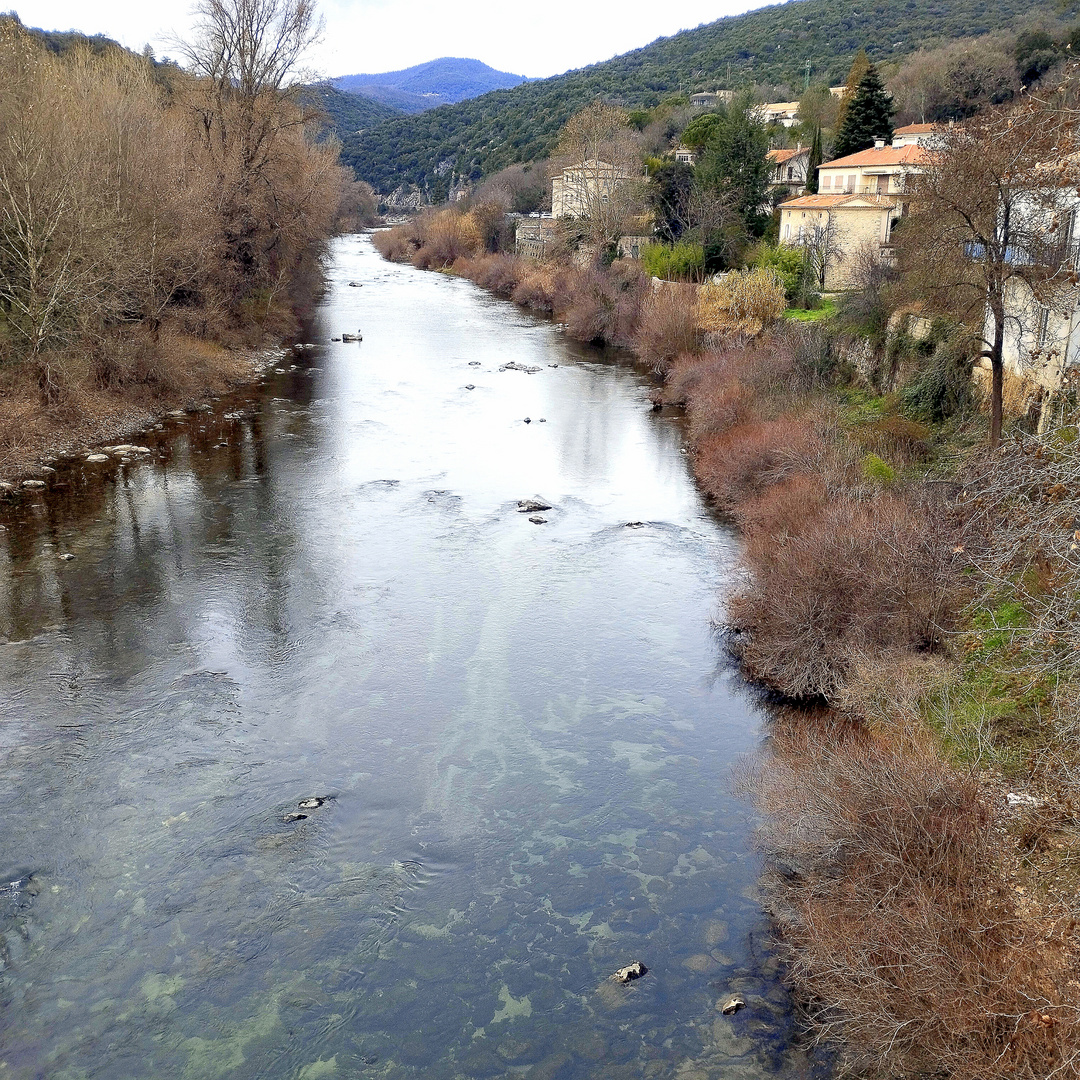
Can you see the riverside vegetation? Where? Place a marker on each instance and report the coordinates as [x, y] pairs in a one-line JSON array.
[[910, 600], [155, 223]]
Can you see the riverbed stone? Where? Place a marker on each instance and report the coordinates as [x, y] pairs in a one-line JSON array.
[[33, 485]]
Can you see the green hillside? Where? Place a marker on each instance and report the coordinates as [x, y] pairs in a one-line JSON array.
[[771, 45], [347, 113]]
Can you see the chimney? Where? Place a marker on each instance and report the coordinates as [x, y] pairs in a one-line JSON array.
[[798, 146], [879, 144]]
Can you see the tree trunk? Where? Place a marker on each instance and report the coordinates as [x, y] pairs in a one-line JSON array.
[[997, 372]]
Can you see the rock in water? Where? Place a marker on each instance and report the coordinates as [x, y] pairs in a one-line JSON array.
[[470, 386], [732, 1005], [630, 972], [313, 803], [538, 520], [66, 557], [532, 506], [289, 818], [33, 485]]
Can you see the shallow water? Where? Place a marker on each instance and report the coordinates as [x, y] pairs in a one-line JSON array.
[[523, 733]]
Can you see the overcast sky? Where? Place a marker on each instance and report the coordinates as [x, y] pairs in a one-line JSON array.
[[385, 35]]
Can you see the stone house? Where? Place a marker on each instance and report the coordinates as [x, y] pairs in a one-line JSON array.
[[535, 237], [837, 230], [860, 198], [877, 171], [915, 134], [578, 189], [788, 169]]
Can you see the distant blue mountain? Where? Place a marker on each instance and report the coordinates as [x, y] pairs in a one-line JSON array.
[[438, 82]]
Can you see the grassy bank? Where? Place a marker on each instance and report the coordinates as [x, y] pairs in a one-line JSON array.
[[912, 600]]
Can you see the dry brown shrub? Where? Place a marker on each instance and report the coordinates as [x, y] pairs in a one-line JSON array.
[[445, 236], [861, 577], [537, 288], [896, 438], [668, 325], [601, 306], [741, 302], [905, 941], [782, 510], [499, 274], [743, 461], [398, 244], [714, 406]]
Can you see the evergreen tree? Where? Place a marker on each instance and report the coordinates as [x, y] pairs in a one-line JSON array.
[[735, 163], [868, 117], [815, 159]]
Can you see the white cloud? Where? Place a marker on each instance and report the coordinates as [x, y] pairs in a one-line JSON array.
[[384, 35]]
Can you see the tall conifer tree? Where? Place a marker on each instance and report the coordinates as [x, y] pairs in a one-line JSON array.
[[813, 162], [867, 118]]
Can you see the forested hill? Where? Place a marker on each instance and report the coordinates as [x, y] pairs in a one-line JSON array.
[[347, 114], [424, 86], [771, 45]]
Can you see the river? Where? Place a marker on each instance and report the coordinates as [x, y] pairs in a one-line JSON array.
[[520, 736]]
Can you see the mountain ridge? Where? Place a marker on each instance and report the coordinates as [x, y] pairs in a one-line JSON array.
[[445, 80]]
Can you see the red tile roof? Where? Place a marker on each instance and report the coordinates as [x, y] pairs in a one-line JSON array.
[[883, 155], [823, 202], [916, 129], [781, 157]]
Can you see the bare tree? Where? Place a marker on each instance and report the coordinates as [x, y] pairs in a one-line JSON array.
[[245, 57], [990, 239], [821, 248], [600, 188]]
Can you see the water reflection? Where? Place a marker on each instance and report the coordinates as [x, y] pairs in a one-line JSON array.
[[520, 732]]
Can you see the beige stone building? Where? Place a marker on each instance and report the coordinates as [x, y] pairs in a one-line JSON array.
[[577, 191], [837, 230], [877, 171], [860, 197]]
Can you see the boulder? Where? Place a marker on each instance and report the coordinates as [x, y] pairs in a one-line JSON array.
[[95, 459], [731, 1005], [532, 506], [33, 484], [538, 520], [630, 972]]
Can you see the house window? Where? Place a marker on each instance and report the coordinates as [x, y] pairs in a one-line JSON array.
[[826, 181], [1042, 326], [851, 183], [790, 172]]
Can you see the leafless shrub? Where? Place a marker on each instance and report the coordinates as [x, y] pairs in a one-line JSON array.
[[889, 884], [668, 324], [861, 576]]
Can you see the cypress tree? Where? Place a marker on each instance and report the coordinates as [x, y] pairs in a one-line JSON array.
[[868, 117], [813, 162]]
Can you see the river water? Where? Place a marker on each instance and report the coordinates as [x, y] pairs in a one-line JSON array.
[[522, 733]]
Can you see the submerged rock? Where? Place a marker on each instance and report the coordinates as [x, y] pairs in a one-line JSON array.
[[532, 506], [732, 1005], [353, 337], [291, 817], [630, 972], [635, 524], [538, 520], [512, 366]]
